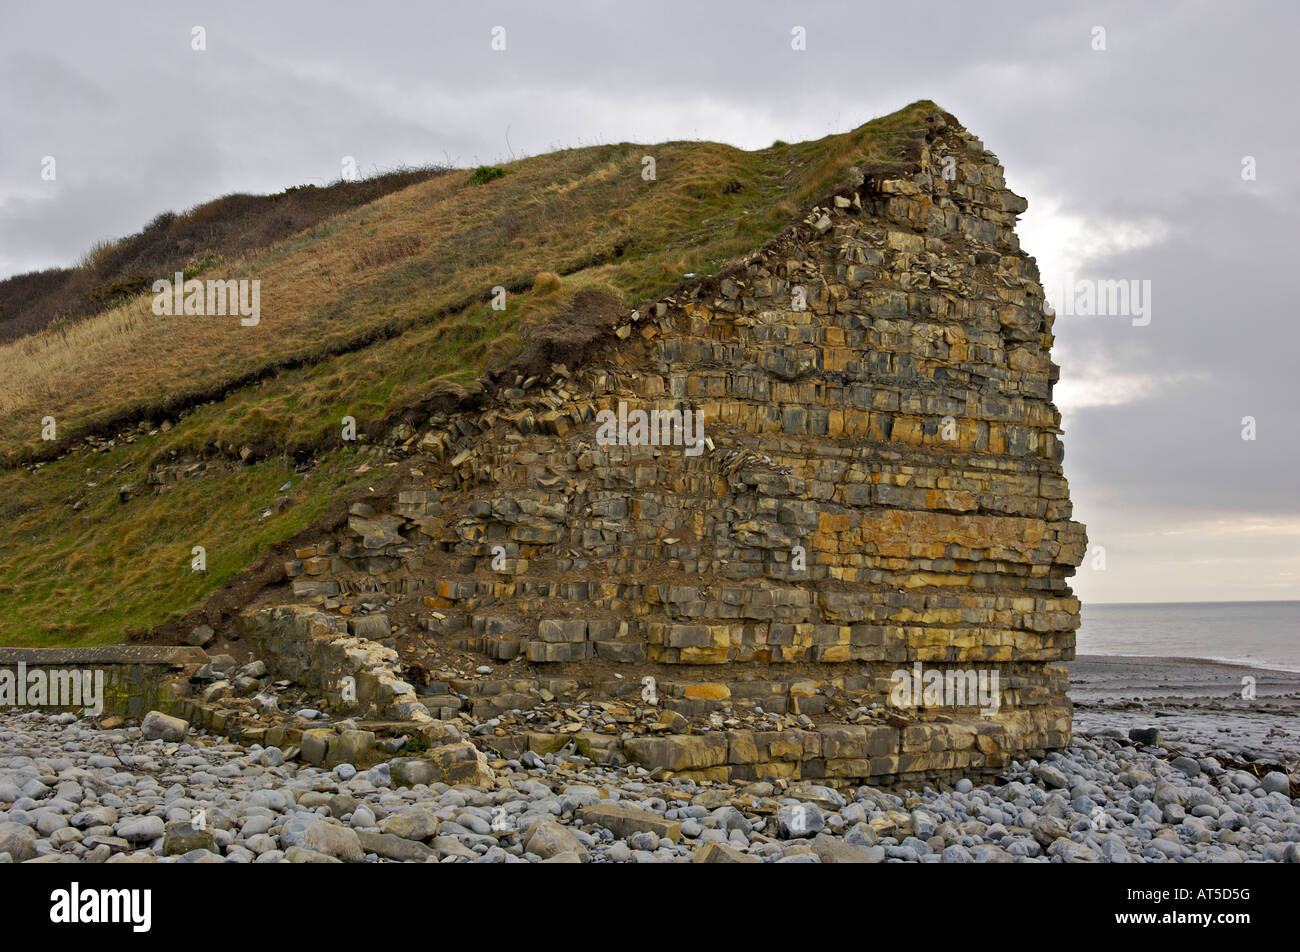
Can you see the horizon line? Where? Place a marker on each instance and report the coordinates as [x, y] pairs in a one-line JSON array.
[[1208, 601]]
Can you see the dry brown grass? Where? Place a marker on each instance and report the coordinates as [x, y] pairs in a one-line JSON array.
[[227, 227]]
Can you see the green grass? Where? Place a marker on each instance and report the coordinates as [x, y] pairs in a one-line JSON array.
[[486, 173], [114, 569]]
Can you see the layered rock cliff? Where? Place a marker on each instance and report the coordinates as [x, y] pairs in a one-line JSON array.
[[868, 485]]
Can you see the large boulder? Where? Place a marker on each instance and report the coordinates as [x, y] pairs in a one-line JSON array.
[[333, 839], [463, 763], [395, 847], [159, 726], [832, 849], [624, 821], [410, 823], [548, 838], [141, 829], [201, 636], [795, 821], [412, 771]]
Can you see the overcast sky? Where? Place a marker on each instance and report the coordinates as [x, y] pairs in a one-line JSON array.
[[1131, 158]]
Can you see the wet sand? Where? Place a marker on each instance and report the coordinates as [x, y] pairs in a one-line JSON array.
[[1192, 702]]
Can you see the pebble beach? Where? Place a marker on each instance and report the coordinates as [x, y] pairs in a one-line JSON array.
[[1210, 778]]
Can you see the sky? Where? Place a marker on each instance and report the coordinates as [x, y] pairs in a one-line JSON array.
[[1155, 144]]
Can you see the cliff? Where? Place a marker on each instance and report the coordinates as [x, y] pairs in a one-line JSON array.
[[802, 518]]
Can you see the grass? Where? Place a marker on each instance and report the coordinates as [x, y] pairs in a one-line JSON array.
[[112, 273], [112, 570], [362, 314]]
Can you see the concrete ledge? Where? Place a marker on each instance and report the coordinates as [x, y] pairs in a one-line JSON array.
[[134, 679], [103, 655]]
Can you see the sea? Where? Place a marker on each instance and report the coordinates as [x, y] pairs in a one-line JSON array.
[[1263, 634]]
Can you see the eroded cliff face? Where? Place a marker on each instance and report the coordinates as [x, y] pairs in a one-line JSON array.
[[877, 491]]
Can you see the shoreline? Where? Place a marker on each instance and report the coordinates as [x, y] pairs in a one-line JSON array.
[[1233, 708], [1191, 661]]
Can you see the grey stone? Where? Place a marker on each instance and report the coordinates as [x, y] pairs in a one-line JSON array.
[[334, 840], [412, 823], [200, 636], [831, 849], [799, 820], [1276, 782], [1113, 850], [1050, 777], [159, 726], [47, 821], [301, 854], [19, 846], [412, 771], [141, 829], [547, 838], [394, 847]]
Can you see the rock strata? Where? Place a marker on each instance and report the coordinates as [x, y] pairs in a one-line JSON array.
[[846, 464]]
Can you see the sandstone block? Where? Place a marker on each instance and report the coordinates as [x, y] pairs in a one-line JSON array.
[[624, 821], [678, 752]]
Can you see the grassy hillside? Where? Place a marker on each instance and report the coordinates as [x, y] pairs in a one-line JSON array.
[[113, 272], [361, 314]]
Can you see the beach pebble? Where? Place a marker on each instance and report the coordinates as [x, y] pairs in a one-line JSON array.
[[799, 820], [141, 829], [1050, 777], [1276, 782]]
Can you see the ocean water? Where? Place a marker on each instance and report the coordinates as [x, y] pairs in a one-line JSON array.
[[1265, 634]]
